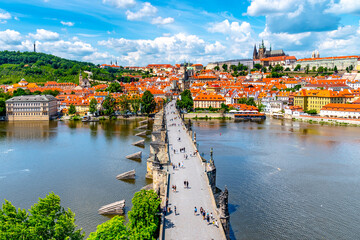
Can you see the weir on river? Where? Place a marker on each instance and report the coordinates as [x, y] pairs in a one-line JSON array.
[[173, 160]]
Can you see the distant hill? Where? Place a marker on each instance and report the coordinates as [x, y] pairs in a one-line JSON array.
[[41, 67]]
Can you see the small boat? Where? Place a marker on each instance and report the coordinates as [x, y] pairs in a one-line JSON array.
[[89, 119]]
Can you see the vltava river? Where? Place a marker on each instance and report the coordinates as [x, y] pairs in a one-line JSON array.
[[286, 180], [78, 161]]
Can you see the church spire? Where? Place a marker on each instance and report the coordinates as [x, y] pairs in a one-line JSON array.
[[255, 52]]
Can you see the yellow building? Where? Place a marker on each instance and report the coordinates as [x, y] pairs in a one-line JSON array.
[[316, 99]]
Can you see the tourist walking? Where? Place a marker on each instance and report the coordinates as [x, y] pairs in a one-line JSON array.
[[216, 224], [187, 184], [195, 211], [175, 209]]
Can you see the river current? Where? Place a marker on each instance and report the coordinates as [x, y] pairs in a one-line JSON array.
[[286, 180]]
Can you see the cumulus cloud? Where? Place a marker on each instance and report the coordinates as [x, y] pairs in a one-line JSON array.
[[69, 24], [269, 7], [4, 16], [162, 21], [9, 37], [170, 49], [120, 3], [147, 10], [344, 6], [238, 32], [44, 35], [293, 16]]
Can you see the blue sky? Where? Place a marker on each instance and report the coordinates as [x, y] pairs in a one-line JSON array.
[[135, 32]]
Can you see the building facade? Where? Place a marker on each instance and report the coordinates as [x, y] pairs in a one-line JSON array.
[[316, 99], [39, 107], [341, 63], [263, 53], [208, 100], [351, 111]]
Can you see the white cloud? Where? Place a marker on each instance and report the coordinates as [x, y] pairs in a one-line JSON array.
[[44, 35], [174, 48], [344, 6], [147, 10], [268, 7], [69, 24], [120, 3], [162, 21], [9, 37], [4, 15], [293, 16], [238, 32]]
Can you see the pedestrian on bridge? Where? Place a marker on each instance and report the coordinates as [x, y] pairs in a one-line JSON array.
[[195, 211]]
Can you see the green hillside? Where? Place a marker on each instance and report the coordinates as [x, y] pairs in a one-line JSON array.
[[41, 67]]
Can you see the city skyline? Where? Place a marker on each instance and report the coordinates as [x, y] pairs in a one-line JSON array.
[[135, 32]]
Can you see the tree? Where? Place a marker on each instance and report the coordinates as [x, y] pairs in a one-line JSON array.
[[261, 107], [335, 69], [135, 103], [312, 111], [148, 102], [21, 92], [217, 68], [114, 87], [143, 218], [111, 229], [225, 67], [251, 102], [46, 220], [277, 68], [351, 67], [314, 69], [224, 107], [320, 69], [287, 69], [72, 109], [186, 100], [258, 66], [109, 105], [93, 106], [2, 107], [297, 68], [50, 92], [124, 103]]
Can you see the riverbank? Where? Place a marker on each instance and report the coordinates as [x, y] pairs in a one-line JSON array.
[[63, 118], [204, 116], [328, 121]]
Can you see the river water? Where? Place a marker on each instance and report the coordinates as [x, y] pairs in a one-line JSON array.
[[78, 161], [286, 180]]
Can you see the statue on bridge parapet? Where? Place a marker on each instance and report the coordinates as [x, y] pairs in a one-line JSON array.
[[224, 212]]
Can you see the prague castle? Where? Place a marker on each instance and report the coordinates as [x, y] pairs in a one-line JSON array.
[[263, 53]]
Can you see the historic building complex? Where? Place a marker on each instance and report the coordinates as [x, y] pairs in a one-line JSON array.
[[35, 107]]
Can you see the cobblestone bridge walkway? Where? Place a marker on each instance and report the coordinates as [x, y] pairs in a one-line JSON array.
[[185, 224]]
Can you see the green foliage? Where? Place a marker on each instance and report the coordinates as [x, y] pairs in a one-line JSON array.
[[45, 220], [109, 105], [297, 68], [21, 92], [335, 69], [2, 107], [224, 107], [186, 101], [258, 66], [287, 69], [217, 68], [247, 101], [112, 229], [225, 67], [124, 103], [277, 68], [148, 102], [135, 104], [72, 109], [261, 107], [50, 92], [143, 218], [114, 87], [93, 106], [312, 111], [320, 69]]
